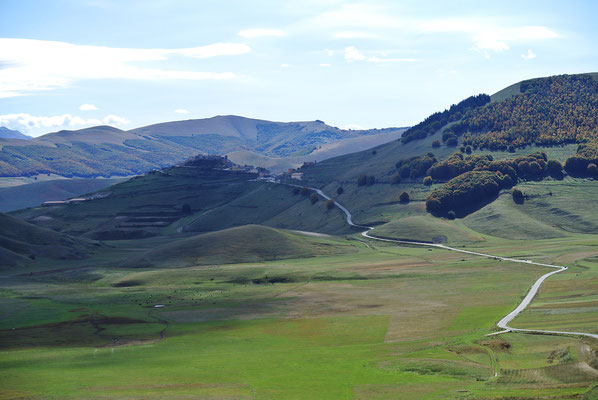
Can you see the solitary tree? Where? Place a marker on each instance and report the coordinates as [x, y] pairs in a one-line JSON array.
[[518, 196], [592, 169], [362, 180], [436, 143], [428, 181], [404, 197], [340, 190], [451, 215]]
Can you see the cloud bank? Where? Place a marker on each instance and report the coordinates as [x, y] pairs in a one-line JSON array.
[[24, 122], [28, 65]]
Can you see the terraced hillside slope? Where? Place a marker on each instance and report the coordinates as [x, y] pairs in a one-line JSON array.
[[197, 196]]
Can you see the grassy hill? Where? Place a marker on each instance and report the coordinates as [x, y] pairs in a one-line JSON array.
[[107, 151], [379, 203], [22, 242], [187, 198], [244, 244]]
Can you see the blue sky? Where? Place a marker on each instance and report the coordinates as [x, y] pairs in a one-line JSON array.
[[67, 64]]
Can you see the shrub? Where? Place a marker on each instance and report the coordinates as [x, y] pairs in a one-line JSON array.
[[314, 198], [436, 143], [554, 168], [330, 204], [340, 190], [362, 180], [296, 191], [370, 180], [518, 196], [374, 152], [415, 167], [404, 198], [428, 181], [452, 141], [451, 215], [592, 169], [304, 191]]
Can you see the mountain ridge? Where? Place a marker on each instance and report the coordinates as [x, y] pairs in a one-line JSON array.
[[108, 151]]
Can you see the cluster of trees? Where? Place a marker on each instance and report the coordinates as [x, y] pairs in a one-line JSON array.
[[415, 167], [551, 111], [476, 179], [531, 167], [463, 193], [363, 180], [434, 122], [584, 162], [457, 164]]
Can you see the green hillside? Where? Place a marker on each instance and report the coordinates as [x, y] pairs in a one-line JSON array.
[[467, 178], [107, 151], [187, 198], [244, 244], [22, 242]]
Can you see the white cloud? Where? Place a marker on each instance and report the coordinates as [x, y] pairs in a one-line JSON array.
[[24, 122], [325, 65], [284, 65], [530, 55], [355, 35], [181, 111], [36, 65], [487, 33], [87, 107], [256, 33], [352, 54]]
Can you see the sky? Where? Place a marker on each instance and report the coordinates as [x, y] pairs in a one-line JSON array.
[[70, 64]]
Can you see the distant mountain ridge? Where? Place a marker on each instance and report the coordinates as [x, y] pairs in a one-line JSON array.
[[6, 133], [108, 151]]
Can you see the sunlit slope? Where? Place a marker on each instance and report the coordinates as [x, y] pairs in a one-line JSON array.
[[249, 243]]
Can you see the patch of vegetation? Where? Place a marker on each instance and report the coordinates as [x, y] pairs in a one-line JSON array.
[[466, 192], [434, 122]]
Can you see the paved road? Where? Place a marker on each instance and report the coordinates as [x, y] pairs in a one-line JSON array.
[[503, 323]]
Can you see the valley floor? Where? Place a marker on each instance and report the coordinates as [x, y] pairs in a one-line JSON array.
[[374, 321]]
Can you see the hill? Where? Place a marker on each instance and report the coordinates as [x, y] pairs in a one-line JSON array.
[[244, 244], [466, 176], [33, 194], [22, 242], [202, 195], [107, 151], [6, 133]]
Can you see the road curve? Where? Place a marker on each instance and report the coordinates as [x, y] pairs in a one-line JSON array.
[[503, 323]]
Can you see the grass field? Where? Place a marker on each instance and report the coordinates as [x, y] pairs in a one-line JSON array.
[[379, 322]]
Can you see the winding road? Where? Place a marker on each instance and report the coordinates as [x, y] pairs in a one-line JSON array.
[[504, 322]]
